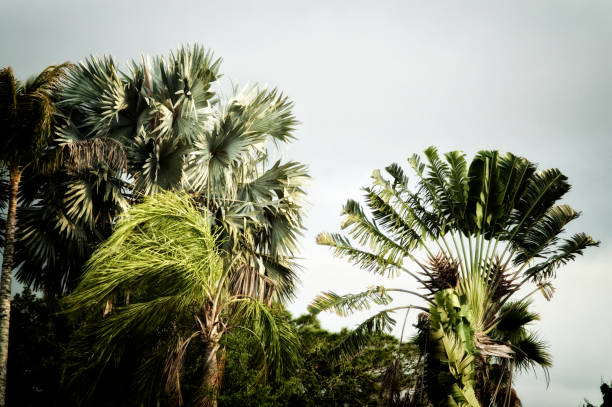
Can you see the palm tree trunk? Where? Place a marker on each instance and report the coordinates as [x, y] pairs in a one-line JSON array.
[[211, 376], [5, 279]]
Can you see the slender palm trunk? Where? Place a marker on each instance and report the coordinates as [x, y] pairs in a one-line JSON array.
[[211, 376], [5, 279]]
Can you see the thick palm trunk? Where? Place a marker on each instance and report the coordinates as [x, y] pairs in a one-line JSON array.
[[211, 376], [5, 279]]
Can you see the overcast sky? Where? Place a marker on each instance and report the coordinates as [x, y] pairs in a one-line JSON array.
[[374, 83]]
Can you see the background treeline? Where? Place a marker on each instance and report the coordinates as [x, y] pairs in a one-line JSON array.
[[40, 337]]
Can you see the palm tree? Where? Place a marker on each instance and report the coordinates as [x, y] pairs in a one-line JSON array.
[[174, 133], [486, 231], [163, 268], [26, 116], [63, 216]]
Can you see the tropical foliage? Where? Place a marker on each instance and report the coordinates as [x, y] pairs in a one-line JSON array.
[[159, 126], [485, 231], [40, 336], [162, 268]]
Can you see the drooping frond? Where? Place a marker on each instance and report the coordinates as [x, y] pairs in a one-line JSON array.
[[513, 318], [90, 153], [279, 341], [250, 282], [532, 352], [167, 237], [361, 335]]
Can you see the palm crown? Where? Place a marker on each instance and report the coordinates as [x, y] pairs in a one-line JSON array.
[[158, 126], [486, 230], [171, 286]]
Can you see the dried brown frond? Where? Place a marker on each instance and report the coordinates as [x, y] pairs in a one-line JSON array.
[[249, 282], [86, 154], [547, 290], [490, 347], [391, 388], [442, 273], [174, 367], [422, 322]]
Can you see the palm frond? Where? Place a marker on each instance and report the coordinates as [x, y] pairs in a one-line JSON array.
[[566, 252], [366, 260], [277, 337], [95, 88], [458, 182], [532, 352], [166, 236], [513, 318], [361, 335], [543, 189], [347, 304]]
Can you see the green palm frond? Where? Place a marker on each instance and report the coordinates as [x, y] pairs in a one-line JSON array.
[[347, 304], [545, 233], [404, 223], [27, 111], [438, 176], [532, 352], [169, 239], [566, 252], [541, 192], [279, 341], [361, 335], [513, 317], [367, 232], [8, 96], [366, 260]]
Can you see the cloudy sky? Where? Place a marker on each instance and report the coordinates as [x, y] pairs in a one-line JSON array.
[[374, 83]]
